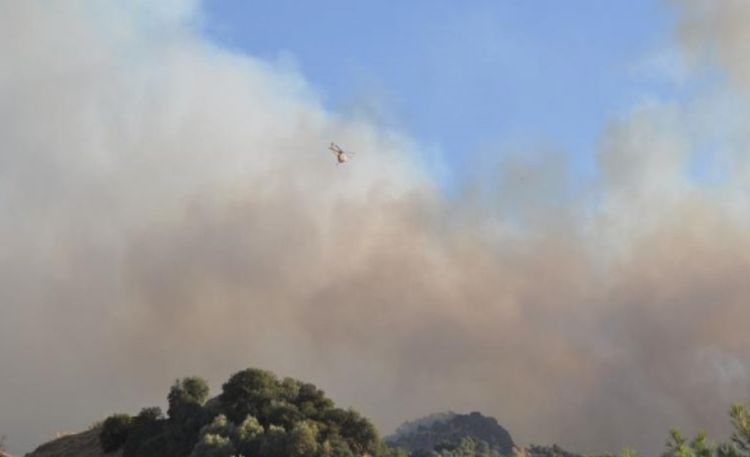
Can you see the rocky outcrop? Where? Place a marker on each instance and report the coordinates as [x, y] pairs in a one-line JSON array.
[[453, 429]]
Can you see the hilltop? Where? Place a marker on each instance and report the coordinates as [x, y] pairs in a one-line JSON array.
[[84, 444], [450, 429], [260, 415], [450, 434]]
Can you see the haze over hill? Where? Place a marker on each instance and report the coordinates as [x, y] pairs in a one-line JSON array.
[[258, 414], [434, 430], [167, 206]]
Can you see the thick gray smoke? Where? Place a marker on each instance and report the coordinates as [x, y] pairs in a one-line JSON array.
[[168, 208]]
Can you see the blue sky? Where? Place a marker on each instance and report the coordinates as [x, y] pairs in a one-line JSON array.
[[466, 78]]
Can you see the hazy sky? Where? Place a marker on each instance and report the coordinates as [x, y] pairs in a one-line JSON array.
[[459, 77], [547, 218]]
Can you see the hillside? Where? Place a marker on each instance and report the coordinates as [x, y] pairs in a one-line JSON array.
[[84, 444], [546, 451], [260, 415], [409, 427], [464, 435], [256, 414], [450, 428], [87, 444]]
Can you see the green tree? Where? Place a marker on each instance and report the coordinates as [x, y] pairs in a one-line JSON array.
[[213, 446], [335, 446], [185, 395], [741, 424], [359, 432], [274, 442], [678, 446], [186, 415], [302, 440], [467, 447], [248, 436], [727, 450], [115, 431], [281, 412], [220, 426], [143, 440], [249, 393], [215, 439], [256, 415], [312, 401]]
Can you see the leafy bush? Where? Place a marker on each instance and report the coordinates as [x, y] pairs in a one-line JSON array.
[[738, 446], [145, 439], [213, 446], [186, 395], [115, 431], [250, 393]]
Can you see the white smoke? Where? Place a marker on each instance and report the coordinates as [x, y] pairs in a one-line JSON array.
[[169, 209]]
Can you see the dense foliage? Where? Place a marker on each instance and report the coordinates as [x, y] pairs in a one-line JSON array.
[[256, 415], [451, 434], [737, 446], [467, 447], [115, 431], [410, 427], [679, 446]]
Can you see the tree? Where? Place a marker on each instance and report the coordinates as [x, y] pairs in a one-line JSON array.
[[678, 446], [115, 431], [741, 434], [256, 415], [311, 401], [281, 412], [186, 394], [143, 439], [249, 392], [213, 446], [248, 436], [273, 443], [186, 415], [700, 447], [302, 440]]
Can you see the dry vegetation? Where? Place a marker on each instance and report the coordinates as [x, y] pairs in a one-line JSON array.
[[85, 444]]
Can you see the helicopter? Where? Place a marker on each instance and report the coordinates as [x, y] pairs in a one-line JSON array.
[[341, 156]]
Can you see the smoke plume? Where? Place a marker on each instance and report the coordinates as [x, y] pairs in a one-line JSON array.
[[168, 208]]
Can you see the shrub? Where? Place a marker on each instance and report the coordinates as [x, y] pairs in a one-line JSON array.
[[213, 446], [186, 395], [250, 393], [115, 431], [144, 437]]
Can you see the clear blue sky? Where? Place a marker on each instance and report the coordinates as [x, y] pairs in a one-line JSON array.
[[463, 76]]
